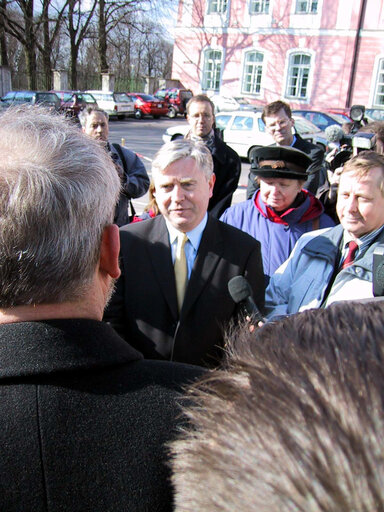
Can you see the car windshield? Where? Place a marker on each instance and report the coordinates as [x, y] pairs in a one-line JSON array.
[[147, 97], [121, 97], [222, 121], [304, 126], [242, 101], [88, 98]]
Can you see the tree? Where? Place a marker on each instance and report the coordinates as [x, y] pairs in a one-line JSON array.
[[78, 24]]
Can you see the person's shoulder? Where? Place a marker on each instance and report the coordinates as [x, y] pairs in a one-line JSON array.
[[306, 146], [223, 146], [168, 374], [237, 209], [142, 229], [235, 236]]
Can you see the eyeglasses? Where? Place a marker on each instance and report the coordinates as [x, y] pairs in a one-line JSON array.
[[282, 123]]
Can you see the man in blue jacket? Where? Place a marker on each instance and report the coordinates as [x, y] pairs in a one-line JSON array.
[[336, 263]]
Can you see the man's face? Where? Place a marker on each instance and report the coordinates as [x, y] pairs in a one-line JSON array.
[[97, 126], [280, 126], [200, 118], [360, 204], [182, 193], [279, 193]]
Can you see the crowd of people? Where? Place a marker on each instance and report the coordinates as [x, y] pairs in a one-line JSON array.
[[109, 322]]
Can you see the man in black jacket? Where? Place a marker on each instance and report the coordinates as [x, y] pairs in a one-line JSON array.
[[83, 419], [278, 120], [226, 162]]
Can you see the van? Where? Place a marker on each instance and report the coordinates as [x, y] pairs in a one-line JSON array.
[[115, 104]]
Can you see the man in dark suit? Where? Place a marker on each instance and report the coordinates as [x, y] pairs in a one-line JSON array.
[[226, 162], [145, 307], [83, 419], [279, 123]]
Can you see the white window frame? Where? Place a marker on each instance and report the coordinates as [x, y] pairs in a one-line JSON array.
[[256, 73], [300, 77], [215, 71], [379, 84], [306, 7], [217, 6], [262, 7]]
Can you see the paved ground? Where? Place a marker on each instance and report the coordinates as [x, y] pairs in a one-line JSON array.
[[144, 136]]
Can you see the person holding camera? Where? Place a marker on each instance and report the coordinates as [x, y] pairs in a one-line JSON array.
[[133, 176], [336, 263]]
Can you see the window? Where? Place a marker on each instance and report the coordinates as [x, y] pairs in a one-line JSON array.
[[242, 123], [253, 69], [306, 6], [379, 88], [212, 70], [298, 75], [217, 6], [259, 7]]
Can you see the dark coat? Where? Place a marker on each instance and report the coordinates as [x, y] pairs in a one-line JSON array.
[[144, 307], [83, 420], [227, 168], [317, 173]]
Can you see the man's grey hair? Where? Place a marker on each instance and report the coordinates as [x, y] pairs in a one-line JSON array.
[[87, 112], [181, 149], [294, 422], [58, 190]]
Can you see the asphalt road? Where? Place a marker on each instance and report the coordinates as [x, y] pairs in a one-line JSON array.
[[144, 137]]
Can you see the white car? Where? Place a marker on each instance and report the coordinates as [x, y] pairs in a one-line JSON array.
[[232, 103], [243, 131], [116, 104]]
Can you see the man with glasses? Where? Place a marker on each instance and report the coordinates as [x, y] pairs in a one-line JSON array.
[[226, 162], [279, 123]]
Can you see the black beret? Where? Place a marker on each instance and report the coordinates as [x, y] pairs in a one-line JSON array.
[[280, 162]]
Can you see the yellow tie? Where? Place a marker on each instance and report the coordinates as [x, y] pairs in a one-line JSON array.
[[181, 271]]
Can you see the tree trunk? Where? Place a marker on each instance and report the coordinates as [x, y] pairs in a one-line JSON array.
[[30, 45], [3, 40], [102, 39]]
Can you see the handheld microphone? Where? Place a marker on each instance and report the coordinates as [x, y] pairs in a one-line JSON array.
[[241, 292], [334, 133]]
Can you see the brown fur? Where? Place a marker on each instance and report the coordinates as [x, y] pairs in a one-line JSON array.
[[294, 422]]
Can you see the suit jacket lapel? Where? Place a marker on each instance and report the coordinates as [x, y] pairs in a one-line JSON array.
[[208, 256], [159, 253]]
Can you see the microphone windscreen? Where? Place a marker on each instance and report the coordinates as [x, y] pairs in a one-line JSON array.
[[334, 133], [239, 289]]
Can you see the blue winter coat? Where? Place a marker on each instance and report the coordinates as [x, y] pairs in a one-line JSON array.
[[277, 240]]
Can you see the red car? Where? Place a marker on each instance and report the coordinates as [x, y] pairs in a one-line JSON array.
[[146, 104]]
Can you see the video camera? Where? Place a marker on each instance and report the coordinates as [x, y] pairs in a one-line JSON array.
[[349, 144]]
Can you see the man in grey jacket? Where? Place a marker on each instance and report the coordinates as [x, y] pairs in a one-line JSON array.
[[336, 263], [133, 176]]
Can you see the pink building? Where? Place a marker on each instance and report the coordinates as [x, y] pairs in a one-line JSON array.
[[311, 53]]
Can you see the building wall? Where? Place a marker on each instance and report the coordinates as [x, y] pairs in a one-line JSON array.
[[327, 37]]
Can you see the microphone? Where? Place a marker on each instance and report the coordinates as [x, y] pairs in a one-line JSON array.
[[334, 134], [241, 292]]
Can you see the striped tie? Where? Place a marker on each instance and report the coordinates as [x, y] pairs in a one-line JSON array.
[[352, 248]]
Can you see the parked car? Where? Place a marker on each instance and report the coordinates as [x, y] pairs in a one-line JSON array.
[[49, 99], [232, 103], [73, 102], [321, 119], [374, 114], [176, 100], [146, 104], [116, 104], [343, 112], [243, 131]]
